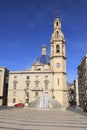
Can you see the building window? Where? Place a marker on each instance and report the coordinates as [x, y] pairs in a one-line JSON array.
[[14, 93], [46, 77], [57, 48], [36, 84], [27, 85], [14, 100], [36, 93], [56, 23], [37, 81], [37, 77], [28, 77], [46, 81], [15, 86], [15, 77], [46, 85], [27, 100]]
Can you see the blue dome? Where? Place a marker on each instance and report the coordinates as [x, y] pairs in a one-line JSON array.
[[44, 59]]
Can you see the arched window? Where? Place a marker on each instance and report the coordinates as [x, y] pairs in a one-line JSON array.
[[57, 48], [56, 23]]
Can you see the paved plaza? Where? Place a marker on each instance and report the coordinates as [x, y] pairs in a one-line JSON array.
[[30, 119]]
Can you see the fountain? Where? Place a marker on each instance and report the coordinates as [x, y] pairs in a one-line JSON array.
[[45, 102]]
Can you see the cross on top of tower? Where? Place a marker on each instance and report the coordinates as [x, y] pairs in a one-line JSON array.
[[56, 13]]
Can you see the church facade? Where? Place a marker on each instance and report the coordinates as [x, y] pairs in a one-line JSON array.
[[47, 75]]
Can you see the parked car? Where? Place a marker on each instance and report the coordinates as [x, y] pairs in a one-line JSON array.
[[19, 105]]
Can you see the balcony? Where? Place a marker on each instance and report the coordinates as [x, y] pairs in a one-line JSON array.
[[37, 89]]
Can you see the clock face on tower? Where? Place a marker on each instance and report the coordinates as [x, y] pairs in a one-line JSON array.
[[57, 65]]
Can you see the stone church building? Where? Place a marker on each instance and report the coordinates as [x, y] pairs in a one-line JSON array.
[[45, 84]]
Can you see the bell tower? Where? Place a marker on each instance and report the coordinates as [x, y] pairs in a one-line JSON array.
[[58, 64]]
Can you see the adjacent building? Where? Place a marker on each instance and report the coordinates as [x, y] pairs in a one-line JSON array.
[[71, 94], [3, 86], [82, 82], [76, 91], [45, 83]]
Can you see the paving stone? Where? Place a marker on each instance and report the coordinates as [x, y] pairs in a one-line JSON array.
[[31, 119]]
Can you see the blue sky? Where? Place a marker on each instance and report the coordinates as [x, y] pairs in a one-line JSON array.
[[25, 25]]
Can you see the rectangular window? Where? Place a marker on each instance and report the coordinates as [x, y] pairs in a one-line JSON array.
[[28, 77], [27, 94], [15, 85], [36, 85], [27, 85], [37, 77], [46, 77], [15, 77], [14, 93], [36, 93], [14, 100], [46, 85], [27, 100]]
